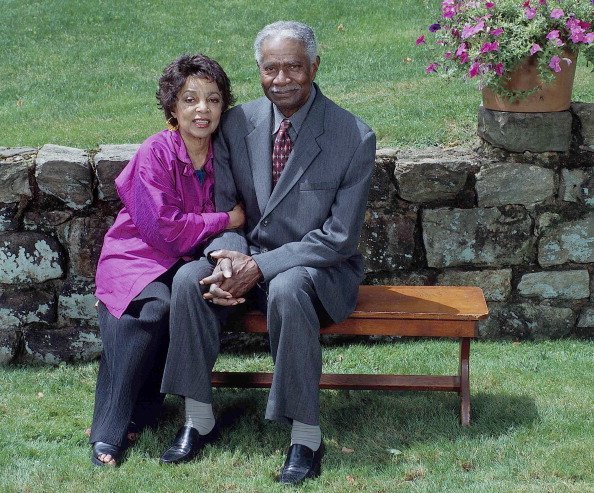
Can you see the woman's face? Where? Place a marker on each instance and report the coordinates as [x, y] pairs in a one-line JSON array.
[[198, 108]]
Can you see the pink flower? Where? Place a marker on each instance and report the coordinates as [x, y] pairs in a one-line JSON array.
[[497, 32], [589, 38], [469, 30], [534, 48], [432, 67], [542, 2], [557, 13], [461, 49], [499, 69], [447, 55], [555, 64], [530, 12], [463, 57], [474, 69], [489, 5], [448, 9], [577, 35], [553, 34], [420, 40], [494, 46]]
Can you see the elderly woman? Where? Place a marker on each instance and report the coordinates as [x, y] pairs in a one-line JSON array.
[[168, 213]]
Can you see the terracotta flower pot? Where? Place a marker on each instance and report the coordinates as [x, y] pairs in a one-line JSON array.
[[555, 96]]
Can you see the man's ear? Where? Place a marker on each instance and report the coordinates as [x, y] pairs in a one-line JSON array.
[[314, 67]]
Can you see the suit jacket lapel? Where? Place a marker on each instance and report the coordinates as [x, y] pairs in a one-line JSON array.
[[259, 146], [305, 149]]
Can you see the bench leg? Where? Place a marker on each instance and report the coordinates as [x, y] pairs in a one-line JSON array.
[[464, 375]]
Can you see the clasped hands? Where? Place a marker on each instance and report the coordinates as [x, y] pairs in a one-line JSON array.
[[233, 276]]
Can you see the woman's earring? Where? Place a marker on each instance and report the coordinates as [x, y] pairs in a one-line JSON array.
[[170, 126]]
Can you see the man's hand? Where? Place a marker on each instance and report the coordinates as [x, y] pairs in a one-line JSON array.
[[228, 283], [223, 270]]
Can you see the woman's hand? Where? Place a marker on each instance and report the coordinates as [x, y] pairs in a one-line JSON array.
[[236, 217]]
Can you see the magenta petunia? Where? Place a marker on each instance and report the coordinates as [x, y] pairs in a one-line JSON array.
[[555, 63], [489, 5], [553, 34], [535, 48], [420, 40], [468, 30], [473, 71], [499, 69], [557, 13], [497, 32], [530, 12], [577, 35], [432, 67], [589, 38], [487, 47]]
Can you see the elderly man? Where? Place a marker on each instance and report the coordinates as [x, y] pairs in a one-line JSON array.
[[302, 167]]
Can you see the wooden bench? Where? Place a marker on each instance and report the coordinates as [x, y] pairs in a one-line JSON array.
[[407, 311]]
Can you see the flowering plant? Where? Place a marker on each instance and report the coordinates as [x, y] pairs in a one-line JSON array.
[[487, 39]]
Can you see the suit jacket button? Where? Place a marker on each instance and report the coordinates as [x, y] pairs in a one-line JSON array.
[[263, 250], [266, 222]]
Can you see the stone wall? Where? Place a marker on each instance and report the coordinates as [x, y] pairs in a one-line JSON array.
[[512, 213]]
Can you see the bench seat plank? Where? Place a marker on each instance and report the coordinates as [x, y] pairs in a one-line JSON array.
[[346, 381]]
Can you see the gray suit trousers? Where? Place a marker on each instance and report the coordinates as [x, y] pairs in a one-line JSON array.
[[293, 311]]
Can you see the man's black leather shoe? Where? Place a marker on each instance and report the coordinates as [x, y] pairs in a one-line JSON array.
[[302, 463], [187, 444]]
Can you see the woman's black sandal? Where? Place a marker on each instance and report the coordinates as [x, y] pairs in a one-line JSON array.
[[102, 448]]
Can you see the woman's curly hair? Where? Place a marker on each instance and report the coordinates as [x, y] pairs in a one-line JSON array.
[[175, 75]]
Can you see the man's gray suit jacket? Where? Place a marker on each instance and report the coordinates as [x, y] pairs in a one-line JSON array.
[[313, 217]]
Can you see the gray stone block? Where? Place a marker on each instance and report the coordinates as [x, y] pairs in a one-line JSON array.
[[527, 321], [46, 221], [65, 173], [8, 217], [53, 346], [9, 345], [29, 258], [577, 185], [519, 132], [566, 284], [496, 284], [14, 181], [388, 240], [431, 179], [77, 302], [23, 306], [109, 162], [16, 152], [568, 242], [502, 183], [83, 238], [477, 237], [586, 319], [585, 114]]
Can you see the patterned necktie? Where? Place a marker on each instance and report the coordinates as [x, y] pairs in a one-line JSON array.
[[281, 150]]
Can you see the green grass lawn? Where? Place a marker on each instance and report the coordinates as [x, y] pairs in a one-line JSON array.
[[83, 73], [532, 428]]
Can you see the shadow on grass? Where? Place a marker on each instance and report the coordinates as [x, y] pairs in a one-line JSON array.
[[370, 423]]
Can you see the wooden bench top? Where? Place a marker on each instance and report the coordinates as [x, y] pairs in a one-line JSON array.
[[421, 302], [423, 311]]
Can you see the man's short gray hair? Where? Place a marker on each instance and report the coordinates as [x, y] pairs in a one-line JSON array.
[[287, 29]]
